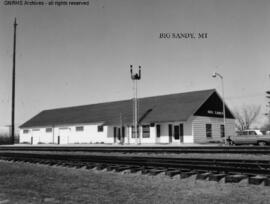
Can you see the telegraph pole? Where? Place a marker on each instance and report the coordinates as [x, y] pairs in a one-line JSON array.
[[13, 87], [135, 78]]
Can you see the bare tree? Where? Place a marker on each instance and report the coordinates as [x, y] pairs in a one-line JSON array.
[[265, 127], [246, 116]]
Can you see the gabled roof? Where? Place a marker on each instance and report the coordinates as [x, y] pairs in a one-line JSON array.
[[165, 108]]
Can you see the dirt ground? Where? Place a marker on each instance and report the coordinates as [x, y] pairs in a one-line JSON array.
[[30, 183]]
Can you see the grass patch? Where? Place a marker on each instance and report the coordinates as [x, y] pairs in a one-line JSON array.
[[29, 183]]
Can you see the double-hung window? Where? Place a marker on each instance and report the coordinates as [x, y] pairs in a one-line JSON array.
[[208, 128], [79, 128], [146, 131]]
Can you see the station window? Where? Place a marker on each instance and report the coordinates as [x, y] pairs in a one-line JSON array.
[[100, 128], [146, 131], [79, 128], [48, 130], [222, 131], [25, 131], [133, 132], [208, 128]]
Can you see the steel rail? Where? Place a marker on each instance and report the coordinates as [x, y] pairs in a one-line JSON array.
[[141, 149], [217, 165]]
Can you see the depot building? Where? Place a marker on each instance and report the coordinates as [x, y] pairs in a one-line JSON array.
[[191, 117]]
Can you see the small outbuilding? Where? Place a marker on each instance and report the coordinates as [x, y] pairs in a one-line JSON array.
[[191, 117]]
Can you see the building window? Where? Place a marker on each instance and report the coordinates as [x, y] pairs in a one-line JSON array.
[[133, 132], [146, 131], [100, 128], [222, 131], [208, 128], [35, 130], [79, 128], [48, 129], [25, 131]]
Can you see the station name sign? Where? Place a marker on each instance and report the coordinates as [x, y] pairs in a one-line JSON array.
[[213, 112]]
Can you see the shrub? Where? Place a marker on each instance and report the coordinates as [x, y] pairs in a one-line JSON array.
[[5, 139]]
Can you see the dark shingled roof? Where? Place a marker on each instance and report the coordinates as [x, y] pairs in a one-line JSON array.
[[165, 108]]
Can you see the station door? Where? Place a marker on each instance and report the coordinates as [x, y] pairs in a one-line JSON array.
[[179, 133]]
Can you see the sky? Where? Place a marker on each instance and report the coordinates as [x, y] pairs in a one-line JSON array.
[[77, 55]]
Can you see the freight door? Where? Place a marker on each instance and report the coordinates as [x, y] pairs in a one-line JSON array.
[[36, 133], [64, 134]]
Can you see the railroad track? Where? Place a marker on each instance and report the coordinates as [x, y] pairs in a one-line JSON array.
[[256, 171], [146, 149]]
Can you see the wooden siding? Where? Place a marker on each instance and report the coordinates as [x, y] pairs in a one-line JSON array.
[[199, 129]]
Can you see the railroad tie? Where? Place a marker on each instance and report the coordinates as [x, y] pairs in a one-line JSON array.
[[236, 178], [101, 166], [59, 163], [111, 167], [186, 174], [122, 168], [267, 181], [136, 169], [51, 163], [146, 170], [172, 173], [256, 180], [216, 177], [79, 165], [203, 176], [154, 172], [90, 166], [69, 164]]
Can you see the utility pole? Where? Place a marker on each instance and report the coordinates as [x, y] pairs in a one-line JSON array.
[[13, 87], [135, 78]]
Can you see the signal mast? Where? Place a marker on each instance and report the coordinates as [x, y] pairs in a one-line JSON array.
[[135, 77], [13, 87]]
